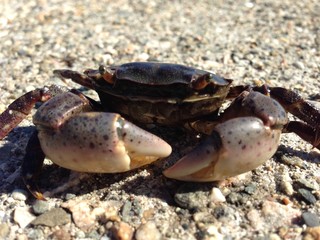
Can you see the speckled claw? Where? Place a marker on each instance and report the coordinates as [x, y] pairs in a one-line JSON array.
[[74, 136], [95, 141], [236, 145]]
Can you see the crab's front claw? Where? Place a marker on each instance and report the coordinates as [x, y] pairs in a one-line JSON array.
[[235, 146], [101, 142]]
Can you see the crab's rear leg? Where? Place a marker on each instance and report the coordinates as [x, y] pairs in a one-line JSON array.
[[32, 164], [309, 130], [21, 107]]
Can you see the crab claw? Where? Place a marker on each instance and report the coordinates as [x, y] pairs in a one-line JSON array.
[[101, 142], [235, 146]]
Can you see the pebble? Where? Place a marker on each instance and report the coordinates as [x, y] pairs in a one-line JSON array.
[[82, 215], [312, 233], [237, 198], [70, 196], [192, 196], [122, 231], [255, 219], [217, 196], [307, 196], [126, 211], [52, 218], [299, 65], [278, 214], [35, 234], [286, 183], [250, 188], [4, 230], [309, 183], [287, 188], [22, 216], [213, 232], [40, 207], [61, 234], [19, 194], [147, 231], [293, 160], [311, 219]]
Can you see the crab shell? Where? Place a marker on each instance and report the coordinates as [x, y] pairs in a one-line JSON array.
[[162, 93]]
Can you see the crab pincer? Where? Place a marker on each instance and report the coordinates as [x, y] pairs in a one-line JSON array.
[[247, 137], [89, 141]]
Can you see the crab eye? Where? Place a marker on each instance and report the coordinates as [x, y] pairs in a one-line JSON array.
[[102, 69], [210, 76]]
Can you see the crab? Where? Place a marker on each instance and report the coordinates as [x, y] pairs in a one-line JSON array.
[[81, 134]]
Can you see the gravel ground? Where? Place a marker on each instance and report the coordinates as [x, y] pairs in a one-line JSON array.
[[273, 42]]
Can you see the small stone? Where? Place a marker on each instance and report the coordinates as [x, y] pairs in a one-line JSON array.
[[80, 234], [40, 207], [299, 65], [311, 219], [310, 184], [19, 194], [293, 160], [35, 234], [204, 216], [22, 216], [70, 196], [278, 214], [255, 219], [52, 218], [286, 201], [312, 233], [287, 187], [214, 233], [250, 188], [111, 213], [217, 196], [143, 57], [61, 234], [81, 214], [307, 195], [148, 231], [237, 198], [123, 231], [4, 230], [191, 196], [125, 212]]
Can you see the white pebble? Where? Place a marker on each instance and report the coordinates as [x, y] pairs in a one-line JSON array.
[[148, 231], [22, 216], [19, 194], [217, 196]]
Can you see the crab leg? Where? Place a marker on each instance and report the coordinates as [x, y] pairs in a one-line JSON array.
[[248, 136], [296, 105], [32, 164], [21, 107], [77, 77]]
